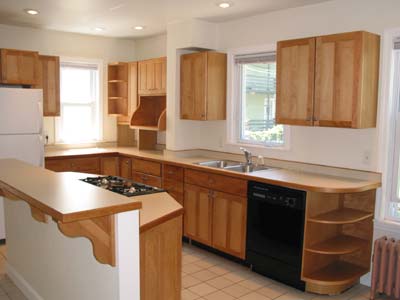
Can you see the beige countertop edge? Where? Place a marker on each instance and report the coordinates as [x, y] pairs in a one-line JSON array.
[[313, 182]]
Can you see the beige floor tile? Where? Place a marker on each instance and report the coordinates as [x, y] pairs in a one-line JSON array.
[[296, 296], [254, 284], [204, 275], [219, 270], [187, 259], [202, 289], [219, 295], [205, 263], [188, 295], [237, 276], [188, 281], [220, 283], [254, 296], [273, 291], [3, 251], [191, 268], [236, 290]]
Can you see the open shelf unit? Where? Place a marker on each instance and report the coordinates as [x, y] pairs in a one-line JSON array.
[[118, 88], [337, 240]]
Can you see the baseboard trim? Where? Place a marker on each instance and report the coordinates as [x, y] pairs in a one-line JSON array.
[[22, 284]]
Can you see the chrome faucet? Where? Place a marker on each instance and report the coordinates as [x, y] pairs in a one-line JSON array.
[[247, 155]]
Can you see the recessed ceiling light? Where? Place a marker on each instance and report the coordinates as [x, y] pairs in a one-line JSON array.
[[225, 4], [31, 11], [99, 29], [139, 27]]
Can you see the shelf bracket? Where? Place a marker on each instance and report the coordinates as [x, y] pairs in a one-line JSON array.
[[100, 231]]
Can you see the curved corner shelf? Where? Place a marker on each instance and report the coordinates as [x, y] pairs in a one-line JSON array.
[[336, 273], [150, 115], [116, 98], [117, 81], [341, 244], [342, 216]]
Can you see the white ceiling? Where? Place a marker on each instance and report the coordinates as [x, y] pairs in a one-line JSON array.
[[118, 17]]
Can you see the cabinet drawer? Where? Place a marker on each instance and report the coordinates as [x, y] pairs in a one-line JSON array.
[[216, 182], [89, 165], [171, 172], [172, 186], [146, 167], [57, 165], [146, 179]]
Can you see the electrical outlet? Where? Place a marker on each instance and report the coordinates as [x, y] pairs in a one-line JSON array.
[[366, 157]]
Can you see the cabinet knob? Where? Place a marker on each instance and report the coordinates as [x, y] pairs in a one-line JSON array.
[[127, 162]]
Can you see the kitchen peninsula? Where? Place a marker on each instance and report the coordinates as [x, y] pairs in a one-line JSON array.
[[44, 210]]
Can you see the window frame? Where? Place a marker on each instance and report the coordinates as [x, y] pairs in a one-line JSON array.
[[97, 105], [234, 112]]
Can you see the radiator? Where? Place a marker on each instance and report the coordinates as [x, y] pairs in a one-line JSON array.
[[385, 277]]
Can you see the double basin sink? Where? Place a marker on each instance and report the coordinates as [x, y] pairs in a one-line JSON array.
[[231, 165]]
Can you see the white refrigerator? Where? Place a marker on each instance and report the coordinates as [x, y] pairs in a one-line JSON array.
[[21, 130]]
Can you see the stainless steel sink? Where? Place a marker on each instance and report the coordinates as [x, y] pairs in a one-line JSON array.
[[231, 165], [220, 164]]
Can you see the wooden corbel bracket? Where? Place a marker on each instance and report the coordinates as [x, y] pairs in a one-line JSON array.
[[100, 231]]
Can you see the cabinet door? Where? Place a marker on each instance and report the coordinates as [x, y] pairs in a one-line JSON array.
[[295, 82], [160, 75], [146, 179], [338, 79], [174, 188], [193, 86], [198, 213], [229, 223], [19, 67], [152, 76], [125, 167], [49, 81], [109, 166]]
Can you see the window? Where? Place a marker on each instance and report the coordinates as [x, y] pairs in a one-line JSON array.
[[255, 98], [80, 110], [394, 202]]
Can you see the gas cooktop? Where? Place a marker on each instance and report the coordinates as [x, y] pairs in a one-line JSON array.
[[122, 186]]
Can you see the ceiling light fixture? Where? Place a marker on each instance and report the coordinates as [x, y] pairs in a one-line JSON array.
[[224, 4], [139, 27], [99, 29], [31, 11]]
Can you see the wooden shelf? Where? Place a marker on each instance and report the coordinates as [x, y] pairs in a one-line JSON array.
[[336, 273], [117, 81], [342, 244], [342, 216], [116, 98], [151, 114]]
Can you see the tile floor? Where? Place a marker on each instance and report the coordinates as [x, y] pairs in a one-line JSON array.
[[206, 276]]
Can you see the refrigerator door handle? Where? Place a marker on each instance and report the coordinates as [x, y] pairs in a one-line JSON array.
[[40, 111]]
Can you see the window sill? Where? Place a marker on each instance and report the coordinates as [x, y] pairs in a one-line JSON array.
[[284, 147], [390, 226]]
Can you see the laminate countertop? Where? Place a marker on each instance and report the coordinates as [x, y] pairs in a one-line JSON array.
[[67, 199], [331, 180]]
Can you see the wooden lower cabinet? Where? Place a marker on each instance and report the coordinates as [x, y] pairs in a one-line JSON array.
[[198, 214], [85, 165], [125, 167], [109, 166], [146, 179], [161, 261], [229, 223]]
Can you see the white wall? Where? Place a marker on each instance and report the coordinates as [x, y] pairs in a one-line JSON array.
[[327, 146], [71, 45]]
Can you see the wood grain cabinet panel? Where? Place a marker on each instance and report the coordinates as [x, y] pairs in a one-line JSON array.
[[19, 67], [346, 83], [125, 167], [152, 76], [109, 166], [146, 167], [295, 81], [198, 214], [203, 86], [89, 165], [229, 223], [146, 179], [49, 80], [329, 80]]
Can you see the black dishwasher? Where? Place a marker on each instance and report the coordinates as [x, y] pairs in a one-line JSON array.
[[275, 224]]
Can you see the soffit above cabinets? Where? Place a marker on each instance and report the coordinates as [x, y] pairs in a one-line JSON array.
[[117, 18]]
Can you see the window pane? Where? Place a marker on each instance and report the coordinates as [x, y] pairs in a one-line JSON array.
[[77, 124], [258, 94], [76, 85]]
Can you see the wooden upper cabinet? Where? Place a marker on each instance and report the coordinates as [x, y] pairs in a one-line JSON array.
[[19, 67], [152, 76], [295, 81], [346, 83], [328, 80], [132, 86], [203, 86], [49, 80]]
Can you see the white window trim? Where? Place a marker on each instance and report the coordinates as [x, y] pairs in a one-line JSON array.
[[100, 67], [386, 128], [232, 109]]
